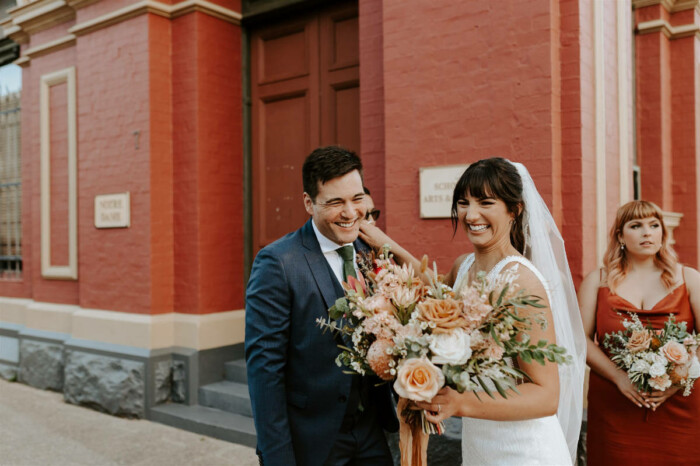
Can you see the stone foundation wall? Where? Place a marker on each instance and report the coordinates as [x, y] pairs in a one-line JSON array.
[[118, 380]]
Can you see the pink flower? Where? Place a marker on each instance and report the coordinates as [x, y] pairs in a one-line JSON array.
[[493, 350], [382, 324], [660, 383], [476, 309], [378, 303], [379, 360], [675, 352]]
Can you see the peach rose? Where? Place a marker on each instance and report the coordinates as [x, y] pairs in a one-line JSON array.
[[678, 374], [379, 360], [660, 383], [418, 379], [446, 314], [639, 341], [675, 352]]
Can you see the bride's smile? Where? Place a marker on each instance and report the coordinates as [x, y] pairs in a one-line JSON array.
[[486, 221]]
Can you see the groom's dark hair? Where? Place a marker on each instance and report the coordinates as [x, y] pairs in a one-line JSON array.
[[325, 164]]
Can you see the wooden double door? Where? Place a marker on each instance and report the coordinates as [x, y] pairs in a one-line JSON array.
[[305, 94]]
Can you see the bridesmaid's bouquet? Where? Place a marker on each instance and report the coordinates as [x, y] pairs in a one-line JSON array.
[[423, 337], [656, 359]]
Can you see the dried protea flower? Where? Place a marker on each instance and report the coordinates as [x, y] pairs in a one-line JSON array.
[[379, 360], [424, 263]]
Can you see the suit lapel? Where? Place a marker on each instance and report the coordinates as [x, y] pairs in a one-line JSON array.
[[323, 275], [318, 265]]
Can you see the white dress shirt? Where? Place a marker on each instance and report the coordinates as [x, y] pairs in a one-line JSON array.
[[329, 250]]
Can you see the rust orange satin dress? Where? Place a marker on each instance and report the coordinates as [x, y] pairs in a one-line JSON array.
[[620, 433]]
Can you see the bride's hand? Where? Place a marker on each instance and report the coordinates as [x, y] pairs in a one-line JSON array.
[[445, 404], [374, 236]]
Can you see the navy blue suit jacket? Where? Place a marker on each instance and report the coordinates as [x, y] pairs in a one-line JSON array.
[[299, 394]]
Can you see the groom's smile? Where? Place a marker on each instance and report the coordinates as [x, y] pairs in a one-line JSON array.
[[338, 207]]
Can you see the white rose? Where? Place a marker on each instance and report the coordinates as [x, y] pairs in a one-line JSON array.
[[641, 366], [694, 369], [628, 359], [656, 358], [451, 348], [657, 370]]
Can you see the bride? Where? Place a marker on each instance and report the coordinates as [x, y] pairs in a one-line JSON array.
[[496, 203]]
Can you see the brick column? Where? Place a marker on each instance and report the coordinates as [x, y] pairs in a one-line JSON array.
[[668, 115]]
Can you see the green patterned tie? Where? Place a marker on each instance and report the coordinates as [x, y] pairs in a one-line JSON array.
[[348, 255]]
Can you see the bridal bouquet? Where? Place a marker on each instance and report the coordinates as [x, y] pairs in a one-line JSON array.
[[423, 337], [656, 359]]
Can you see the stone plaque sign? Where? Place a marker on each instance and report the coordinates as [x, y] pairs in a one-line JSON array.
[[112, 211], [436, 186]]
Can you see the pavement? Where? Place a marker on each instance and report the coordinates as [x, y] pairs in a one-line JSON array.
[[38, 428]]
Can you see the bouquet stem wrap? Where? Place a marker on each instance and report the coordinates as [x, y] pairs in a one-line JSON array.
[[412, 440]]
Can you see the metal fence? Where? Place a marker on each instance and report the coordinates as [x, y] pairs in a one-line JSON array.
[[10, 188]]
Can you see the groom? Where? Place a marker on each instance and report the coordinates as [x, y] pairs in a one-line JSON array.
[[306, 410]]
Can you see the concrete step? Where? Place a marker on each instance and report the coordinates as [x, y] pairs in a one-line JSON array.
[[235, 371], [206, 421], [227, 396]]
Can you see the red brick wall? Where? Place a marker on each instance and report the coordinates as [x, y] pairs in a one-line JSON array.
[[462, 83], [668, 115], [208, 167], [58, 291], [178, 85], [113, 102], [685, 131], [162, 258], [372, 101]]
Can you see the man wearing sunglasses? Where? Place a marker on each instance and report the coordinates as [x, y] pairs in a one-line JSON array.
[[372, 214]]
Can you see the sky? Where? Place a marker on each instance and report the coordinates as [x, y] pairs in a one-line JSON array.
[[10, 79]]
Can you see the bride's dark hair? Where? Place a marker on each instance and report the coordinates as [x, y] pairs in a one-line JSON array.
[[497, 178]]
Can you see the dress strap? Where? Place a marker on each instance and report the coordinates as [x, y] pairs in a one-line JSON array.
[[463, 272], [523, 261]]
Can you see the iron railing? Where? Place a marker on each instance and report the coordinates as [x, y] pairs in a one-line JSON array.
[[10, 188]]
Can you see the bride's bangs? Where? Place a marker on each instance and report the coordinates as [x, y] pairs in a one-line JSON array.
[[479, 186]]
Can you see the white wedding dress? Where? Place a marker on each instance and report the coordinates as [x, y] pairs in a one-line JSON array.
[[539, 441]]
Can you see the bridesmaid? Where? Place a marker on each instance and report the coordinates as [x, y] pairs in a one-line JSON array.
[[641, 274]]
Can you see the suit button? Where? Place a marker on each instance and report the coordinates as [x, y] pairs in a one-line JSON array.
[[342, 398]]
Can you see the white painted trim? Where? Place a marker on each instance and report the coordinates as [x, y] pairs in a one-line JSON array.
[[22, 61], [43, 49], [623, 95], [672, 6], [35, 10], [70, 271], [600, 136], [40, 14], [158, 8], [672, 32], [199, 332]]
